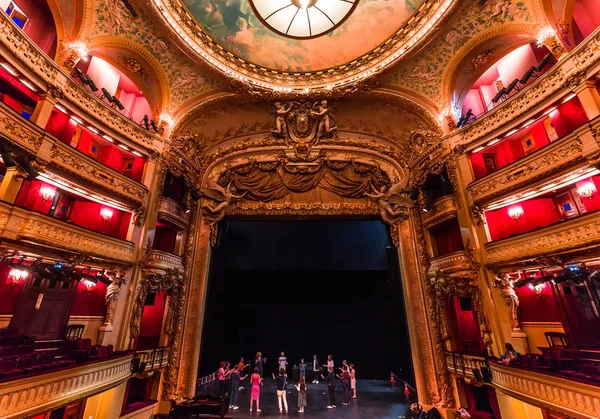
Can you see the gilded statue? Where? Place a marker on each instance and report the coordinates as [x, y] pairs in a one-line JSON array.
[[112, 295], [222, 198], [326, 123], [393, 202], [281, 111], [506, 285]]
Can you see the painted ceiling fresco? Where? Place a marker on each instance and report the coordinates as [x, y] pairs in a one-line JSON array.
[[233, 24]]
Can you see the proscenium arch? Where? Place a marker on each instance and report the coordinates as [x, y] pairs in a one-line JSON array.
[[527, 33], [429, 372], [103, 46]]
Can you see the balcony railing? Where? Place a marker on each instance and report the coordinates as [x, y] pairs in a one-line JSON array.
[[560, 157], [463, 365], [158, 259], [36, 394], [452, 262], [442, 209], [151, 359], [575, 235], [27, 56], [555, 82], [556, 393], [22, 226], [170, 210]]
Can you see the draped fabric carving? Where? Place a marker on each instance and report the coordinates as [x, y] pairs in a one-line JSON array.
[[274, 180]]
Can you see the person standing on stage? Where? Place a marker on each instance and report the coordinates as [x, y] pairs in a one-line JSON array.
[[353, 381], [235, 387], [301, 387], [302, 367], [259, 363], [228, 378], [330, 363], [281, 390], [255, 383], [345, 377], [282, 361], [316, 369], [241, 367], [222, 378], [331, 387]]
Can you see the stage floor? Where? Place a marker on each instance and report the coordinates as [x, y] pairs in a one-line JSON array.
[[376, 399]]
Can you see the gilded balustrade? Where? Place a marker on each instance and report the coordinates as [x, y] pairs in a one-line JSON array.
[[19, 130], [27, 228], [569, 72], [170, 210], [570, 397], [24, 54], [452, 262], [443, 209], [463, 365], [157, 259], [574, 235], [544, 166], [155, 359], [29, 396]]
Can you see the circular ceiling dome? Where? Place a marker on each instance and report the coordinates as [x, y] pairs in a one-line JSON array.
[[303, 19]]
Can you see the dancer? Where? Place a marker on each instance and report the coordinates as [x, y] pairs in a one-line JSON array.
[[241, 367], [345, 377], [302, 367], [222, 378], [330, 363], [353, 381], [301, 387], [259, 363], [282, 361], [331, 386], [255, 383], [281, 389], [236, 378], [228, 378], [316, 369]]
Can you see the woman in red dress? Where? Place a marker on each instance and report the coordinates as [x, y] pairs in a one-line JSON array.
[[255, 382]]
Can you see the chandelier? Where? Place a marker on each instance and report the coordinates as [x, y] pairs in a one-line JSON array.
[[303, 19]]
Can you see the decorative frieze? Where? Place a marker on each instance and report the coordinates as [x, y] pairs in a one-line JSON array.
[[170, 210], [559, 157], [570, 397], [31, 58], [23, 226], [29, 396], [570, 236], [452, 262], [19, 130], [442, 210], [157, 259]]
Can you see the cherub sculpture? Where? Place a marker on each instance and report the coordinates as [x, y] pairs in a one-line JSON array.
[[280, 123], [222, 198], [393, 202], [326, 123]]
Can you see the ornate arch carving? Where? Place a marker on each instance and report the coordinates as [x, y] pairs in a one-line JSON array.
[[59, 24], [159, 80]]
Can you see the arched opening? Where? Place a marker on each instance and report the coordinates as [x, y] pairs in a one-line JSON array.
[[504, 78], [36, 20]]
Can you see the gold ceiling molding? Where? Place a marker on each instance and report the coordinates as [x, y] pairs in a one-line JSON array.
[[183, 30], [148, 62], [528, 31], [58, 23]]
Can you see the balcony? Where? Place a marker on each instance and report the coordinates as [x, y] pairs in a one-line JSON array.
[[550, 86], [442, 209], [575, 235], [452, 262], [463, 365], [19, 130], [22, 226], [163, 260], [151, 359], [171, 211], [32, 395], [30, 59], [556, 393]]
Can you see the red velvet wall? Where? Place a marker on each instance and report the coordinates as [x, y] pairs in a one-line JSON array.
[[568, 117], [468, 329], [447, 237], [8, 293], [89, 303], [87, 214], [537, 213], [151, 322], [537, 309], [165, 236], [16, 84], [61, 126], [40, 28], [29, 196]]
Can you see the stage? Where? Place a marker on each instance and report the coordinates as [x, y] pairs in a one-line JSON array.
[[376, 399]]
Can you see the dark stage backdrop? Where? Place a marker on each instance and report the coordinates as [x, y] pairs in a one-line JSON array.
[[306, 287]]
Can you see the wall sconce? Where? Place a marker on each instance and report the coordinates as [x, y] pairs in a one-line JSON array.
[[544, 34], [106, 214], [80, 48], [17, 275], [47, 192], [516, 212], [587, 190], [89, 285], [538, 288]]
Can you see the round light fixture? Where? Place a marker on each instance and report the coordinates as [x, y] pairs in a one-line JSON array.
[[303, 19]]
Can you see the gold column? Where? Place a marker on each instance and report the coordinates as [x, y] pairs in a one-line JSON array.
[[513, 408], [43, 109], [589, 98], [11, 184]]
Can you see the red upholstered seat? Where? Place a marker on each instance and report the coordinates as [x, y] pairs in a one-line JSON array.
[[28, 364], [7, 351], [46, 361], [24, 350], [8, 331], [15, 340], [8, 368]]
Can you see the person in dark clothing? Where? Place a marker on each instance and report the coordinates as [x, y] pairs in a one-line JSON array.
[[345, 377], [281, 390], [331, 387], [235, 387]]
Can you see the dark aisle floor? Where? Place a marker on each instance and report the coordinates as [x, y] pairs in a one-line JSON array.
[[376, 400]]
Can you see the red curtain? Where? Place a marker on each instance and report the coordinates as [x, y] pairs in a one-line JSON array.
[[448, 237]]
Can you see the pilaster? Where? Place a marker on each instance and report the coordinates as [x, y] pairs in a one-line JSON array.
[[11, 184], [589, 98]]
